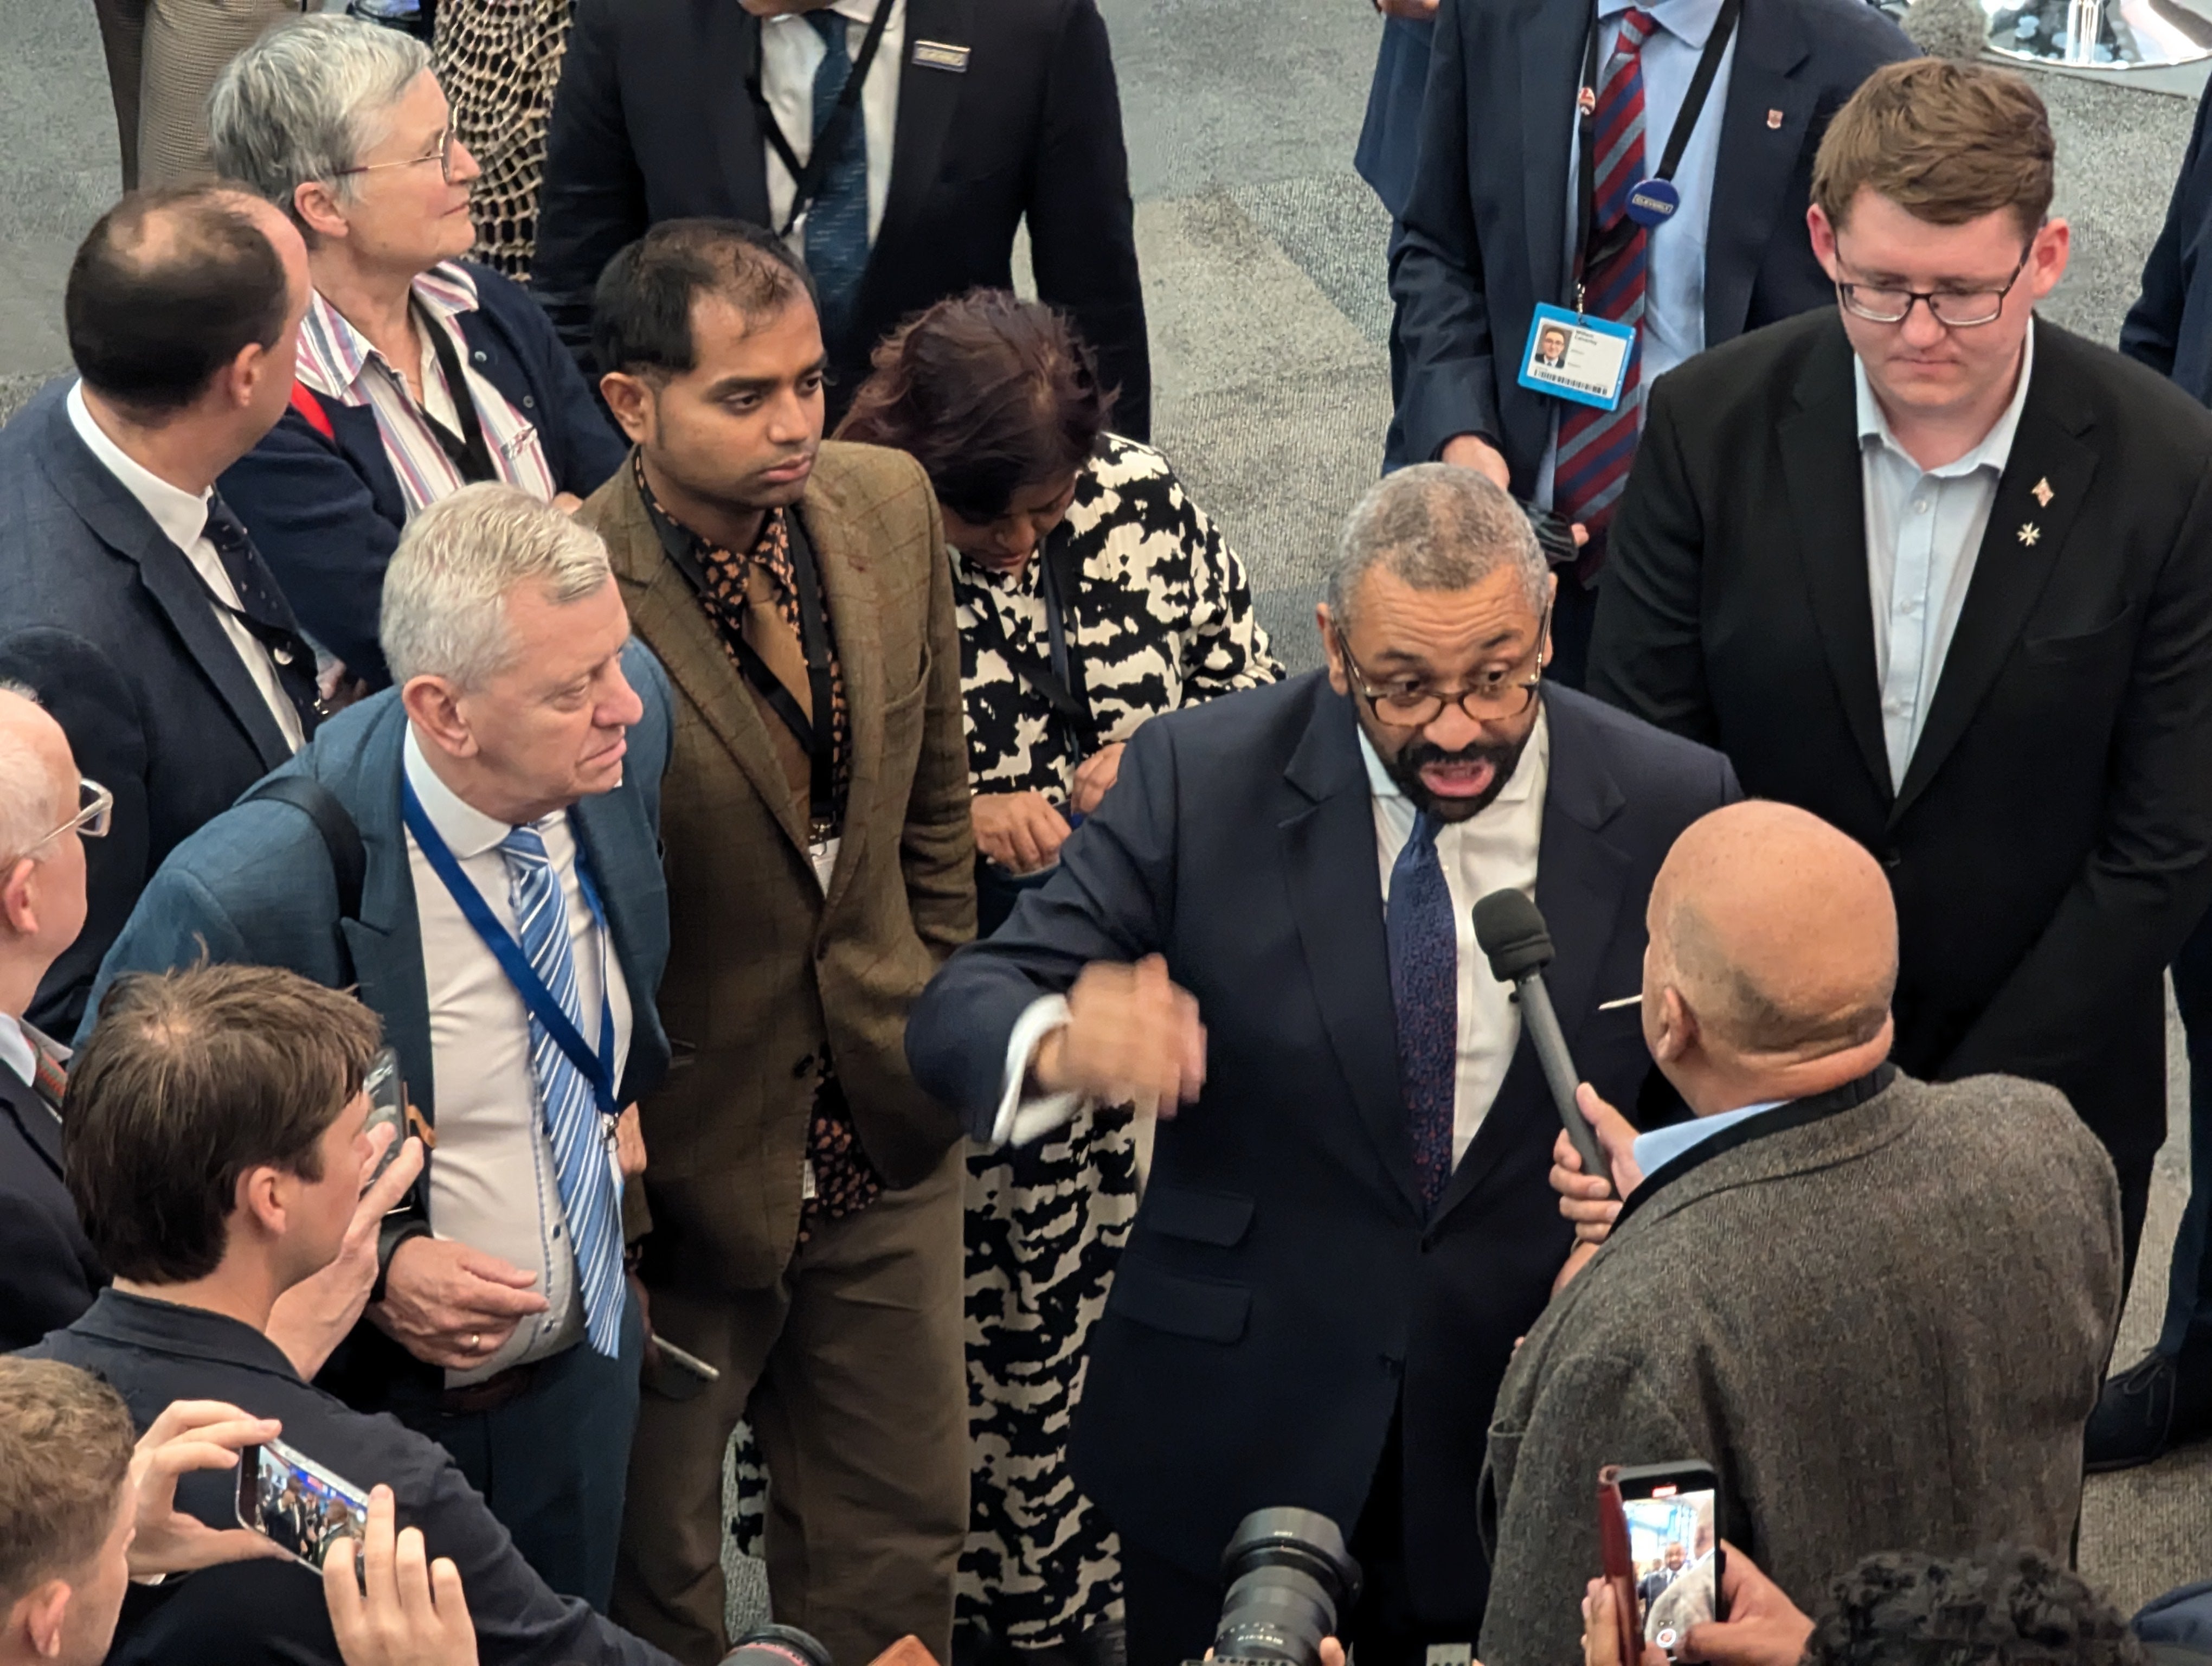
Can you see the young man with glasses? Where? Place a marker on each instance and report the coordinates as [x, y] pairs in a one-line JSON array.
[[1937, 571], [1265, 931]]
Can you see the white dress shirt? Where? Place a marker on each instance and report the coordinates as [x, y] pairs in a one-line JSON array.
[[183, 520], [790, 51], [17, 1051], [493, 1184], [1494, 850], [1924, 535]]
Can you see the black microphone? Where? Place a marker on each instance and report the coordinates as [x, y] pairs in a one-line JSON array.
[[1511, 931]]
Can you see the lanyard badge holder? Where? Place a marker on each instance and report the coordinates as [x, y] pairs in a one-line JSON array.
[[1571, 355]]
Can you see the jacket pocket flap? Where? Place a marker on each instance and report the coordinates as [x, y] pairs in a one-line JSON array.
[[1216, 1218], [1207, 1308]]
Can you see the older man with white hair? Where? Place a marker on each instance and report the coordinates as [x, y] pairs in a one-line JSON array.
[[420, 371], [477, 850]]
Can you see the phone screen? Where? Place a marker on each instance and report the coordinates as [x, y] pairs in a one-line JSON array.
[[1671, 1537], [387, 1107], [296, 1503]]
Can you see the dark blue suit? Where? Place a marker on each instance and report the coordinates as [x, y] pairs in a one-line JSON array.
[[1390, 145], [256, 887], [112, 628], [1282, 1298], [327, 516], [2170, 329], [1485, 226], [48, 1273]]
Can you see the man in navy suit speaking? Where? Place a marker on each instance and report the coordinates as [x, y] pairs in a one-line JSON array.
[[1267, 924]]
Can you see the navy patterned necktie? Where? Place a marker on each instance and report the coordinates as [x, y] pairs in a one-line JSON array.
[[837, 220], [1425, 988], [263, 611]]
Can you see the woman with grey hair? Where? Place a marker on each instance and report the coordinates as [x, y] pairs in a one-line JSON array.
[[420, 372]]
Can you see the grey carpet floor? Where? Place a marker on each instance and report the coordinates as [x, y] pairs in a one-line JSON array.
[[1264, 278]]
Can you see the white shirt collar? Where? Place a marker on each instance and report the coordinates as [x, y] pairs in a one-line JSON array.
[[17, 1051], [466, 830], [1997, 445], [181, 517], [1518, 787], [860, 11]]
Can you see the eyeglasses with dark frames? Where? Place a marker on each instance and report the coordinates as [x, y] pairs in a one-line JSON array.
[[95, 809], [1954, 309], [1498, 698], [448, 150]]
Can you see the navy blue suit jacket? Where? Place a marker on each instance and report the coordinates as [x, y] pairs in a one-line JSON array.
[[2170, 326], [1390, 136], [112, 627], [1282, 1290], [1485, 230], [48, 1273], [255, 887], [327, 516]]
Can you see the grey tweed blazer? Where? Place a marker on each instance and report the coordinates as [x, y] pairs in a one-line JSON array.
[[1885, 1329]]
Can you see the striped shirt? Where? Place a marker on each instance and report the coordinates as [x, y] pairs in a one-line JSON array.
[[338, 361]]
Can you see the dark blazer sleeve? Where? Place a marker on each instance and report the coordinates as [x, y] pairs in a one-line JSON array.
[[2147, 880], [1444, 311], [47, 1275], [97, 709], [581, 445], [1083, 242], [1646, 653], [1110, 899], [316, 522], [2152, 330], [593, 198]]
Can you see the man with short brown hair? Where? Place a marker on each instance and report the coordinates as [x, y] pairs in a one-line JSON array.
[[1938, 572]]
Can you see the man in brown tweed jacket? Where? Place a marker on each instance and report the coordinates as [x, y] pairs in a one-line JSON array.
[[806, 1231], [1881, 1309]]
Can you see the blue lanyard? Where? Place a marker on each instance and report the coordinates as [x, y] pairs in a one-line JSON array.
[[598, 1068]]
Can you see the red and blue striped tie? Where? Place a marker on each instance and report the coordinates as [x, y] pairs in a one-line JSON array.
[[1596, 446]]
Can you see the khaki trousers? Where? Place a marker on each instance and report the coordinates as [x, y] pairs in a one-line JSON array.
[[163, 57], [852, 1367]]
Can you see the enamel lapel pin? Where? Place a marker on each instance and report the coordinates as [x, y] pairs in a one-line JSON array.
[[2042, 493]]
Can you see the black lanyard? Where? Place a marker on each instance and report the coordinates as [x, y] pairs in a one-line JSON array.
[[817, 736], [807, 178], [1060, 683], [1616, 237], [467, 450]]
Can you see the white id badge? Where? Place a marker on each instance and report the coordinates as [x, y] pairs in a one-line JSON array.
[[1573, 357], [822, 853]]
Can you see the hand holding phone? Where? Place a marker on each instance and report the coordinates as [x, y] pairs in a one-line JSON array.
[[188, 1435], [1659, 1527]]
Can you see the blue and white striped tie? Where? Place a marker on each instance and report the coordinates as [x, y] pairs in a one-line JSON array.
[[573, 1122]]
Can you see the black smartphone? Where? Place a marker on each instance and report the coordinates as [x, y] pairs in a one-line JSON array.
[[1672, 1514], [295, 1504], [387, 1108]]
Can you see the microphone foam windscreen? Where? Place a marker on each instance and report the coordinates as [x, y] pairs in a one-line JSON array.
[[1510, 930]]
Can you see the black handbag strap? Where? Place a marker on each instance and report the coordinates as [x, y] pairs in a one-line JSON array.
[[348, 857]]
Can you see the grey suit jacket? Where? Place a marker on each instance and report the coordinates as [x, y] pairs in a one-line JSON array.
[[1885, 1329]]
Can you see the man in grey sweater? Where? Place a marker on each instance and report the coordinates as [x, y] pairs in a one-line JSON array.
[[1879, 1309]]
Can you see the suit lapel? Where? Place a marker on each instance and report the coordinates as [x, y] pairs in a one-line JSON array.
[[928, 99], [121, 522], [2010, 572], [1336, 897], [849, 599], [731, 35], [1541, 107], [1757, 158], [386, 942], [41, 1129], [1820, 459]]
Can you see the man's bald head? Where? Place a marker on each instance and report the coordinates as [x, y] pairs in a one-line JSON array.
[[1779, 934], [38, 777]]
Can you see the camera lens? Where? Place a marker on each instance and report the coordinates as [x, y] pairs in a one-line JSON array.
[[1289, 1577], [777, 1645]]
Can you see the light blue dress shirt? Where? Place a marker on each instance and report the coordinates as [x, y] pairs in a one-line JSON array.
[[1924, 534], [1674, 258], [1654, 1150]]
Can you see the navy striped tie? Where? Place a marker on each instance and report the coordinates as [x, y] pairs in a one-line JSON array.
[[1425, 988], [838, 220]]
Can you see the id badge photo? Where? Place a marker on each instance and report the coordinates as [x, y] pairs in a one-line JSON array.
[[1575, 356]]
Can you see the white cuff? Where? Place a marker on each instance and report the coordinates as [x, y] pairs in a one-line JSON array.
[[1020, 1121]]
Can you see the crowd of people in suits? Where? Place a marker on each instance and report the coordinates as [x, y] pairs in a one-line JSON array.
[[887, 969]]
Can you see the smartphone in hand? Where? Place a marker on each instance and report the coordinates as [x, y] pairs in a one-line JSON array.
[[1659, 1525], [295, 1504]]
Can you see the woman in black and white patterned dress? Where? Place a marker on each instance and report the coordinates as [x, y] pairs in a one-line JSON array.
[[1091, 595]]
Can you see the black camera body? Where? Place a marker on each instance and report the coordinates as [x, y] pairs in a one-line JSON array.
[[1290, 1580]]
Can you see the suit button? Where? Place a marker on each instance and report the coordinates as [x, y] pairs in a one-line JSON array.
[[483, 357], [529, 402]]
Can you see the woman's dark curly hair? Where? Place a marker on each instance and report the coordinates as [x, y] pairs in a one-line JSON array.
[[2006, 1607], [989, 393]]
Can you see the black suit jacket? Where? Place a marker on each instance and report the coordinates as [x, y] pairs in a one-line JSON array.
[[1486, 227], [1282, 1291], [107, 621], [48, 1274], [652, 123], [2048, 845]]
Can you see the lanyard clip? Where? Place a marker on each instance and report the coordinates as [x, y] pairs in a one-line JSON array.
[[1586, 101]]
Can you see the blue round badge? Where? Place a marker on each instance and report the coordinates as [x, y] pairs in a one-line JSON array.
[[1653, 201]]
